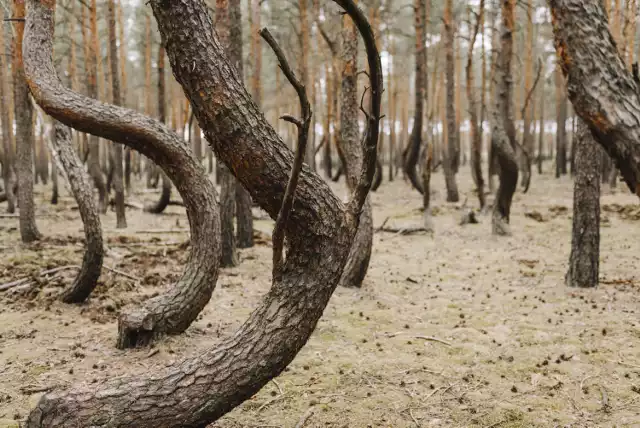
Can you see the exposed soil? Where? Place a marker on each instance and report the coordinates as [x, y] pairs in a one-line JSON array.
[[455, 329]]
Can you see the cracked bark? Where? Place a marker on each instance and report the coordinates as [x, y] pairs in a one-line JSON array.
[[585, 237], [173, 311], [198, 391]]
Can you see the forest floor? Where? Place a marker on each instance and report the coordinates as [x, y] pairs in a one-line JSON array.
[[455, 329]]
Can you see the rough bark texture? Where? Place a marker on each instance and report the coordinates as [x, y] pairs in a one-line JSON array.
[[412, 152], [476, 136], [199, 390], [603, 93], [173, 311], [7, 129], [118, 179], [24, 134], [584, 261], [351, 149], [80, 184], [244, 216], [165, 194], [451, 153], [502, 126], [227, 180]]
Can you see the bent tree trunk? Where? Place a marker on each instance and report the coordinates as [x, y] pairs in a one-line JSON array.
[[584, 261], [24, 135], [173, 311], [80, 184], [358, 262], [503, 129], [200, 390], [412, 153], [603, 93]]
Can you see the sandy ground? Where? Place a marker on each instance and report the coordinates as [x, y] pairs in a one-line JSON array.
[[515, 348]]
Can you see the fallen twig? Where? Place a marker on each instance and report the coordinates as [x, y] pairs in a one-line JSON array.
[[307, 415], [34, 389], [433, 339], [415, 421], [119, 272], [161, 231], [273, 400]]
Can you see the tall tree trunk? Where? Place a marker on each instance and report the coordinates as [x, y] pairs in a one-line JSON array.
[[227, 180], [326, 149], [476, 136], [54, 182], [528, 142], [7, 127], [90, 42], [561, 121], [202, 389], [123, 91], [451, 154], [584, 261], [82, 191], [304, 70], [392, 93], [118, 184], [24, 134], [351, 149], [503, 137], [412, 151], [244, 216], [541, 131]]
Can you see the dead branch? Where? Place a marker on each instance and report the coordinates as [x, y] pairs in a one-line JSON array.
[[433, 339], [533, 88], [303, 136]]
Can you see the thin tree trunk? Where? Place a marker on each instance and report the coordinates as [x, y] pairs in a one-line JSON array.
[[452, 153], [503, 129], [82, 191], [392, 93], [585, 238], [541, 131], [116, 149], [7, 127], [24, 134], [351, 149], [561, 121], [244, 216]]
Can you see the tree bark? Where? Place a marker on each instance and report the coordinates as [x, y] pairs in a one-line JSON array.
[[202, 389], [358, 262], [541, 132], [452, 153], [116, 149], [80, 185], [173, 311], [227, 180], [412, 151], [584, 261], [476, 136], [603, 93], [561, 121], [7, 128], [24, 134], [503, 133]]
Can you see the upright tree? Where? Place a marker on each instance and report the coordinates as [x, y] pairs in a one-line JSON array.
[[451, 153], [24, 133], [7, 128]]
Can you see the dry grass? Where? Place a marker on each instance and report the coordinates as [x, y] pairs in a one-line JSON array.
[[524, 351]]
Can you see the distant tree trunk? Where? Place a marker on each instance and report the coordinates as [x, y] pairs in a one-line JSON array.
[[541, 131], [197, 141], [123, 92], [54, 183], [528, 140], [118, 185], [392, 94], [476, 135], [451, 154], [24, 134], [304, 71], [561, 121], [412, 151], [82, 191], [223, 24], [326, 149], [503, 129], [41, 158], [90, 42], [7, 129], [585, 238], [244, 216], [351, 149]]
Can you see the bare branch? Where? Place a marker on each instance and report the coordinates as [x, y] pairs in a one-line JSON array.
[[303, 136], [533, 88]]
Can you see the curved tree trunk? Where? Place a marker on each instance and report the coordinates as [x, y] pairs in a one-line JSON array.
[[412, 152], [227, 180], [202, 389], [603, 93], [80, 184], [451, 153], [116, 149], [173, 311], [503, 133], [7, 130], [24, 134], [584, 261], [351, 150]]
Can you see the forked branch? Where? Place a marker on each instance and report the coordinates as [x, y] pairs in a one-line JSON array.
[[303, 136]]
